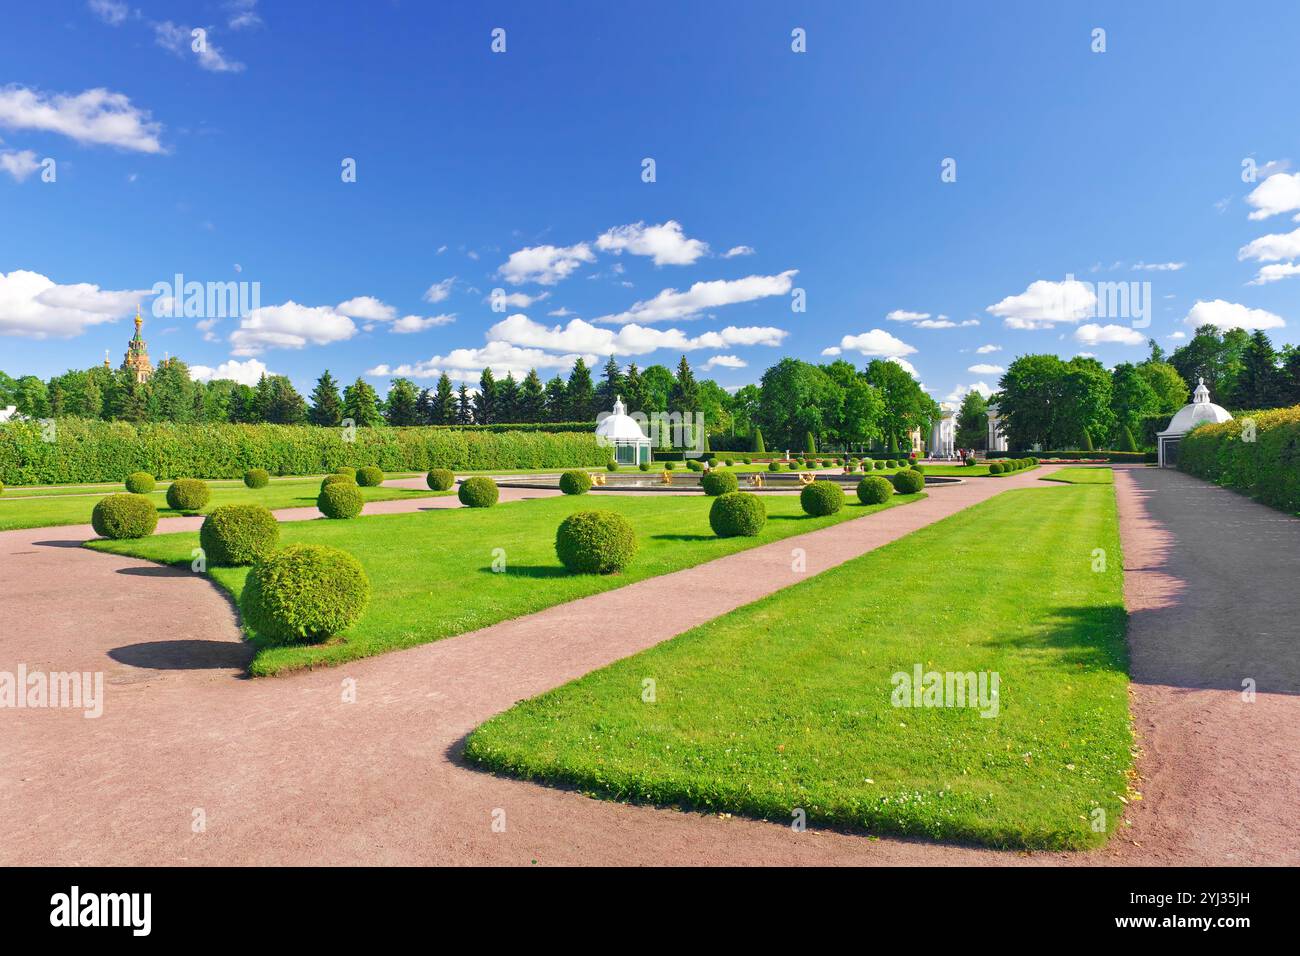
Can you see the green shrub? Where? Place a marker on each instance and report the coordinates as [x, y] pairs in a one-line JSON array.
[[336, 479], [1267, 468], [644, 466], [304, 593], [795, 466], [139, 483], [238, 534], [730, 463], [694, 464], [611, 465], [748, 459], [919, 469], [257, 478], [774, 466], [370, 476], [341, 499], [995, 468], [875, 490], [479, 492], [821, 498], [440, 479], [188, 494], [595, 542], [346, 470], [878, 465], [909, 481], [575, 482], [124, 516], [737, 514], [670, 466], [719, 483], [891, 463]]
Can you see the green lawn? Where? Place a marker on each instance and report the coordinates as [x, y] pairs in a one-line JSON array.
[[68, 508], [786, 703], [431, 572], [1075, 475]]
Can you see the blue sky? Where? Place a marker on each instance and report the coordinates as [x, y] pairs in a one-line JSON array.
[[522, 171]]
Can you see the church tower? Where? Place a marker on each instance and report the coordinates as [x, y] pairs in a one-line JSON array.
[[136, 360]]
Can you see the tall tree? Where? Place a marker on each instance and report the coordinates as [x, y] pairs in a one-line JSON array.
[[361, 404], [444, 402], [532, 398], [1259, 383], [282, 405], [610, 387], [1167, 385], [424, 407], [581, 393], [904, 404], [557, 400], [464, 406], [399, 409], [634, 390], [171, 393], [973, 421], [508, 399], [657, 384], [326, 406], [485, 402]]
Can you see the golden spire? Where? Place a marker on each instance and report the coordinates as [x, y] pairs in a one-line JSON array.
[[138, 321]]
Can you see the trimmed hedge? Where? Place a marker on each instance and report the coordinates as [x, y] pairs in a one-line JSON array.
[[875, 490], [341, 499], [909, 481], [478, 492], [717, 483], [94, 451], [595, 542], [335, 479], [737, 514], [440, 479], [1114, 457], [238, 534], [257, 478], [304, 593], [821, 498], [370, 476], [1267, 468], [124, 516], [575, 482], [139, 483], [188, 494]]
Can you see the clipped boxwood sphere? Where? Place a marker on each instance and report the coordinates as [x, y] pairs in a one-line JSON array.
[[909, 482], [595, 542], [878, 465], [370, 476], [336, 479], [644, 466], [575, 482], [694, 465], [719, 483], [670, 466], [737, 514], [875, 490], [124, 516], [611, 466], [795, 466], [257, 478], [730, 462], [340, 499], [187, 494], [821, 498], [995, 469], [139, 483], [238, 534], [346, 470], [774, 466], [304, 593], [479, 492], [440, 479]]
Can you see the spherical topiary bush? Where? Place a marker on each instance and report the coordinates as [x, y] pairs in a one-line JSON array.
[[730, 462], [719, 483], [257, 478], [919, 469], [187, 494], [440, 479], [796, 466], [670, 466], [336, 479], [575, 482], [878, 465], [340, 499], [595, 542], [737, 514], [238, 534], [139, 483], [370, 476], [304, 593], [748, 460], [995, 469], [875, 490], [611, 465], [346, 470], [479, 492], [694, 465], [891, 463], [774, 466], [124, 516], [909, 482], [644, 466], [821, 498]]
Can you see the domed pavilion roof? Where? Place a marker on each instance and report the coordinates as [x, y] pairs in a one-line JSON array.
[[619, 426], [1201, 411]]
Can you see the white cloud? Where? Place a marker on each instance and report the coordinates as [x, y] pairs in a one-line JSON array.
[[417, 323], [561, 313], [1275, 273], [738, 251], [1177, 336], [180, 40], [367, 307], [665, 243], [545, 265], [902, 315], [245, 373], [290, 326], [583, 337], [1231, 315], [1158, 266], [1045, 302], [110, 11], [1094, 334], [517, 300], [943, 322], [671, 304], [986, 349], [985, 369], [18, 163], [243, 14], [832, 351], [724, 361], [904, 364], [467, 364], [960, 391], [1272, 247], [34, 306], [439, 291], [877, 342], [1276, 194], [97, 116]]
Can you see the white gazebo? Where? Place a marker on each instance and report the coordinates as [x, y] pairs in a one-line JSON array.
[[943, 437], [1201, 411], [621, 433]]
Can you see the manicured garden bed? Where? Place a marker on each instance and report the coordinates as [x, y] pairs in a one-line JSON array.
[[431, 572], [786, 704]]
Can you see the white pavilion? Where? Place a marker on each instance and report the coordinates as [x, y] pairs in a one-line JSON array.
[[1201, 411], [943, 436], [621, 433]]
